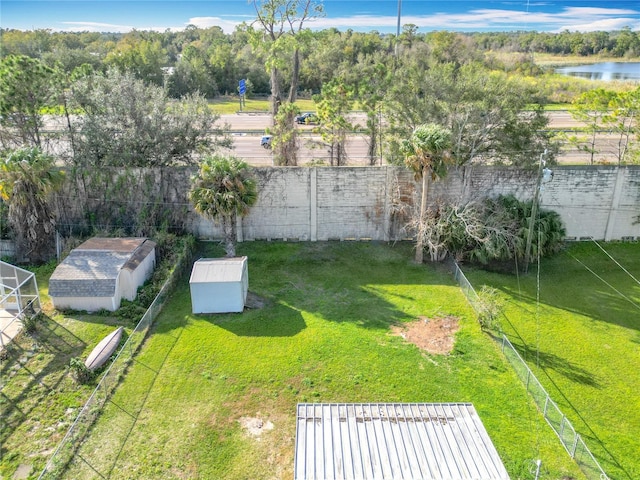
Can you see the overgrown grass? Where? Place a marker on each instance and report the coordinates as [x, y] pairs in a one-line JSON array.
[[582, 340], [548, 59], [39, 398], [323, 335]]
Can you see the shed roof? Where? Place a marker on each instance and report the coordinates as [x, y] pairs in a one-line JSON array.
[[122, 244], [91, 270], [218, 270], [394, 441]]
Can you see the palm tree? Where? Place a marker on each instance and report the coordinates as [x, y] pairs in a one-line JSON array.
[[222, 190], [28, 177], [427, 154]]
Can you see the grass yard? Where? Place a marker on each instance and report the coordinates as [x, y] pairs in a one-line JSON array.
[[582, 342], [231, 105], [322, 334], [39, 400]]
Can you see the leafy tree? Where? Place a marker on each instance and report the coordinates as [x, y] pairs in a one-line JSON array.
[[28, 177], [622, 118], [126, 122], [426, 153], [282, 22], [27, 86], [506, 220], [333, 105], [487, 112], [192, 74], [323, 59], [285, 136], [144, 57], [32, 43], [372, 81], [222, 190], [627, 43], [451, 48], [591, 108]]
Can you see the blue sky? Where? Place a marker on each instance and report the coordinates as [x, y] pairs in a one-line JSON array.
[[361, 15]]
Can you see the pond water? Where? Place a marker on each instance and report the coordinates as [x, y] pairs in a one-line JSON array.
[[604, 71]]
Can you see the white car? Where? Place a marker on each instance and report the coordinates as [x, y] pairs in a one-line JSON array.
[[265, 141]]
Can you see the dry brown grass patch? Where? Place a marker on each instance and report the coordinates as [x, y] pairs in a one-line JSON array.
[[435, 335]]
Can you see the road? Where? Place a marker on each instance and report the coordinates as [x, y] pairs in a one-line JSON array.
[[248, 128], [247, 146], [258, 122]]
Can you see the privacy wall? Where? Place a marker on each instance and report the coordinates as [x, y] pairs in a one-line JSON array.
[[324, 203], [360, 203]]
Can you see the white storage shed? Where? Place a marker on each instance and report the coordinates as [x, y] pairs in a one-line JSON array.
[[219, 285], [101, 272]]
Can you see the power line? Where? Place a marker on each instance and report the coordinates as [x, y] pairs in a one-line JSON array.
[[616, 262], [603, 250], [607, 283]]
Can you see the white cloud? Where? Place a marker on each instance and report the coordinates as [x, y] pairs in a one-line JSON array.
[[96, 27], [583, 19], [572, 18], [595, 11], [228, 26], [605, 25]]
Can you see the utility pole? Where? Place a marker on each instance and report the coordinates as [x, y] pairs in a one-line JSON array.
[[380, 130], [534, 212], [398, 28]]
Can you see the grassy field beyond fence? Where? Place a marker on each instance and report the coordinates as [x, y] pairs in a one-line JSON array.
[[581, 341], [321, 331]]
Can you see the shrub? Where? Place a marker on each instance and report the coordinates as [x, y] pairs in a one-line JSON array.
[[171, 249], [80, 372], [488, 307], [506, 222], [30, 322]]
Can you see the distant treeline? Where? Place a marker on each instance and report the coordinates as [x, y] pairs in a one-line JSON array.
[[211, 61]]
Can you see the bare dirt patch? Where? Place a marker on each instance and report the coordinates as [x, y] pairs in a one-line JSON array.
[[255, 426], [435, 335]]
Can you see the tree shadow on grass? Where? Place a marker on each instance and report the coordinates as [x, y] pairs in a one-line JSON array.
[[603, 305], [549, 361], [347, 282], [583, 280]]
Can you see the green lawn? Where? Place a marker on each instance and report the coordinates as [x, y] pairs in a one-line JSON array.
[[231, 105], [39, 400], [323, 335], [582, 342]]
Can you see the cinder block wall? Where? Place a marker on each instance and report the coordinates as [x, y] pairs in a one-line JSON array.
[[323, 203]]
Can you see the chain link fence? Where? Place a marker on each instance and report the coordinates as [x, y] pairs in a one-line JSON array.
[[68, 452], [571, 440]]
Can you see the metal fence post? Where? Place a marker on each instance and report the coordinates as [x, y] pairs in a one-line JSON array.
[[106, 389], [546, 404], [575, 445]]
